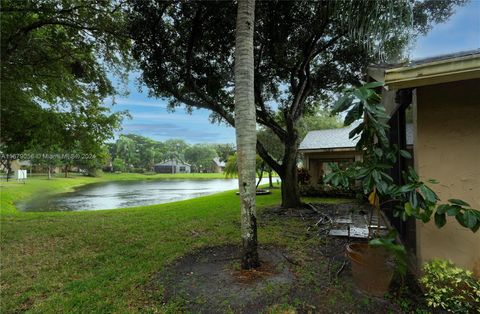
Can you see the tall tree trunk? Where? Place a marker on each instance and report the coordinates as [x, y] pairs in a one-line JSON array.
[[245, 129], [290, 191], [9, 168], [260, 177], [287, 169], [49, 172], [270, 179]]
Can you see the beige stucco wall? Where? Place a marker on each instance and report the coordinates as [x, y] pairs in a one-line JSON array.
[[447, 148]]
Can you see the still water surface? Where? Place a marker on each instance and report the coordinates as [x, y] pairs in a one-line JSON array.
[[121, 194]]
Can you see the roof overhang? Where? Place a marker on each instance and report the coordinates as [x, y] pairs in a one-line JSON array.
[[324, 150], [428, 73]]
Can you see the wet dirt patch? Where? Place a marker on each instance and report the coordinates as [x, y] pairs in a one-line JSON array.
[[211, 281]]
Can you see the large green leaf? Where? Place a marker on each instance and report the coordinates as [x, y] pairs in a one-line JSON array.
[[413, 199], [461, 219], [476, 227], [429, 195], [376, 176], [407, 188], [329, 177], [405, 154], [357, 130], [386, 177], [442, 209], [408, 208], [336, 180], [362, 93], [453, 210], [477, 213], [342, 104], [458, 202], [378, 152], [354, 114], [382, 187], [470, 219], [440, 220], [413, 174]]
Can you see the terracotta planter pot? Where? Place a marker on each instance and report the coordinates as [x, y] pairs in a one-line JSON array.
[[372, 268]]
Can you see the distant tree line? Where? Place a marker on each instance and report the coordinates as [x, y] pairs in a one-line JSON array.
[[135, 153]]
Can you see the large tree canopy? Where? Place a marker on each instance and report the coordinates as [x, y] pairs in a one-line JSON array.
[[59, 55], [304, 51]]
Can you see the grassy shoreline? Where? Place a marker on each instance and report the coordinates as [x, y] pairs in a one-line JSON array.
[[100, 261], [13, 191], [94, 261]]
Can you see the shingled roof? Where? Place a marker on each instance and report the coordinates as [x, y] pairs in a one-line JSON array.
[[333, 139]]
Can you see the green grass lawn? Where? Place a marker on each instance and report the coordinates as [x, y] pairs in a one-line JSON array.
[[99, 261]]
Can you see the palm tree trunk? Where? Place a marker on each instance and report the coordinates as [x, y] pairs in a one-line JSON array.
[[245, 129]]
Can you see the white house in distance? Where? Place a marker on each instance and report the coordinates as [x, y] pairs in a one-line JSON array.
[[172, 166], [218, 165]]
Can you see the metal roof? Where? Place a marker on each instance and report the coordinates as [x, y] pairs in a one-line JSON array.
[[332, 139], [219, 163], [172, 163]]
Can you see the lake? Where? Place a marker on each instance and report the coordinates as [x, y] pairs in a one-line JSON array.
[[121, 194]]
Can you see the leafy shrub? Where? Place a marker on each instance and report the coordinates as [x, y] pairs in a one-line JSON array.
[[450, 288], [94, 172], [325, 190]]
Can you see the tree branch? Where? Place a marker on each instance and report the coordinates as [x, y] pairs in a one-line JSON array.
[[191, 41], [228, 117], [268, 159]]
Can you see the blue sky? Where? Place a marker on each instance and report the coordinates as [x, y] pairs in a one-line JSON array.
[[151, 118]]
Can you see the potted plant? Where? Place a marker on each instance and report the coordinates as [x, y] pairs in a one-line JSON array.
[[372, 262]]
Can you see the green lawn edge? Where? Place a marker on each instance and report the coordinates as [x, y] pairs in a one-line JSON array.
[[100, 261]]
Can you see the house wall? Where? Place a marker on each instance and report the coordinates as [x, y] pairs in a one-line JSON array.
[[182, 168], [447, 148], [163, 169], [217, 169]]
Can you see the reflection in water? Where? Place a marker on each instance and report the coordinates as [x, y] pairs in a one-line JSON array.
[[121, 194]]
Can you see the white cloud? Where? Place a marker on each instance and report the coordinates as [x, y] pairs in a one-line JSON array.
[[170, 117], [140, 103]]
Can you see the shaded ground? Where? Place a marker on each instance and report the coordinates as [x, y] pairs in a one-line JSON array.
[[211, 281], [307, 273]]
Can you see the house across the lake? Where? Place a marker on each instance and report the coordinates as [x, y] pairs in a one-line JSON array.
[[444, 94], [321, 147], [172, 166], [18, 164], [218, 165]]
